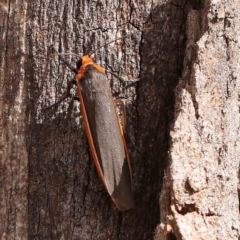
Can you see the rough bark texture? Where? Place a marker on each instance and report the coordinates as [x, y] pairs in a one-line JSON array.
[[183, 119], [200, 195]]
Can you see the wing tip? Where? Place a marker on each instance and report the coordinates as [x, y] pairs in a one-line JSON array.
[[123, 206]]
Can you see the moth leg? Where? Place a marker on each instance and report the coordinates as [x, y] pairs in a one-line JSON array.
[[122, 79], [66, 95], [66, 63], [69, 111], [123, 121], [74, 70]]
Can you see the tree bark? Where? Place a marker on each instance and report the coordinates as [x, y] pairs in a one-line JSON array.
[[199, 199], [182, 119]]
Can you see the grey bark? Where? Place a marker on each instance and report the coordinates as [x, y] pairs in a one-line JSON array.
[[200, 195], [183, 119]]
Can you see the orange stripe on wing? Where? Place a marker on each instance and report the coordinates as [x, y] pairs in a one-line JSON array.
[[90, 140], [89, 135], [124, 142], [88, 130]]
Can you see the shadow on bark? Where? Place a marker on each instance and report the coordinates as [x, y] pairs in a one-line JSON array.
[[195, 25], [66, 197], [162, 54]]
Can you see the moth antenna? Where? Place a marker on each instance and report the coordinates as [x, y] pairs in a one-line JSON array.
[[64, 54], [107, 44], [64, 61]]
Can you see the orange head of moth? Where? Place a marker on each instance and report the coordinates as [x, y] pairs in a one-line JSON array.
[[84, 60], [83, 63]]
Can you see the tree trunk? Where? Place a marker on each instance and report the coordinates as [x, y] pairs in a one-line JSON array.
[[182, 119], [199, 199]]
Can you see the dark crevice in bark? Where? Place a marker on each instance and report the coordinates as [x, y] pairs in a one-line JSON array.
[[7, 30], [188, 188], [171, 236], [187, 208], [197, 4], [162, 54]]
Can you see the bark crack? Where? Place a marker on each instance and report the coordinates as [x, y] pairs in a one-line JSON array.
[[186, 208], [7, 30]]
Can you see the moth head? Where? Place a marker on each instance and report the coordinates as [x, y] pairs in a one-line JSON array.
[[84, 60]]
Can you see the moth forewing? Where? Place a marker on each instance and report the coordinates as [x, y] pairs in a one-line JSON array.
[[105, 136]]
